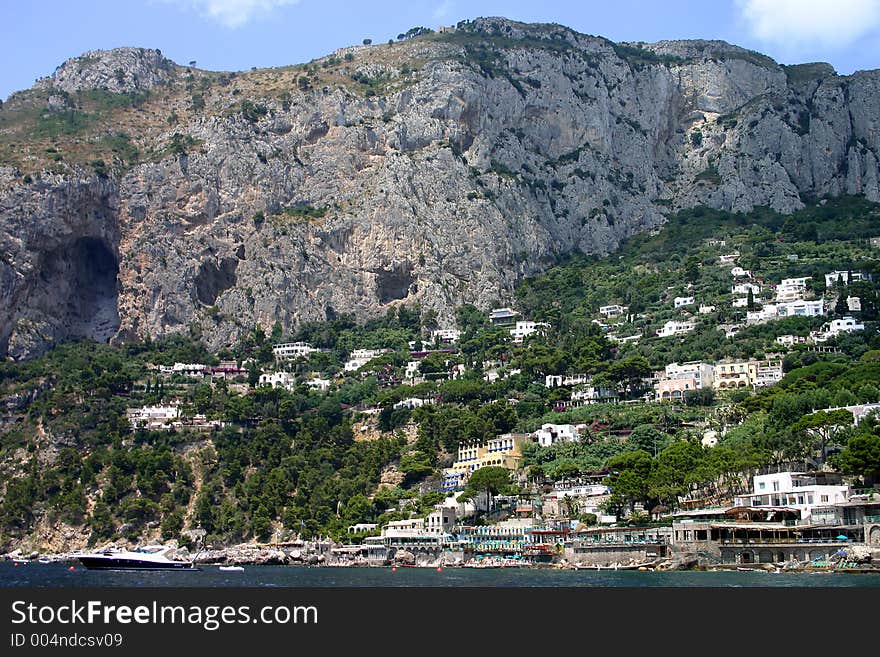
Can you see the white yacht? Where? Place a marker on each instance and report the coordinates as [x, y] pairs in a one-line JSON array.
[[149, 557]]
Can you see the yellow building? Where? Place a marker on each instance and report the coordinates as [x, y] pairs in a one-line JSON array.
[[736, 374], [502, 451]]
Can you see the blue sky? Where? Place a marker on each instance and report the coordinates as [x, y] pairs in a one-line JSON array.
[[35, 37]]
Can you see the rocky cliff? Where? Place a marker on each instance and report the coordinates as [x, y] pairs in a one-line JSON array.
[[139, 197]]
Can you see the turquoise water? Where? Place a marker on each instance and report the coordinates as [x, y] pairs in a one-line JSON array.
[[58, 575]]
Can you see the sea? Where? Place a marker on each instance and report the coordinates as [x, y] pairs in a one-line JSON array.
[[65, 575]]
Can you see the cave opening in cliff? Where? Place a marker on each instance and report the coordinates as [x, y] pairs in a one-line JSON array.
[[84, 278]]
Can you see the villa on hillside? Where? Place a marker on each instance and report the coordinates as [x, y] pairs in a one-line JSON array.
[[502, 316], [775, 311], [293, 350], [550, 434], [502, 451], [278, 380], [673, 327], [183, 369], [730, 375], [524, 329], [677, 379], [153, 417], [835, 327], [360, 357], [446, 336], [845, 277]]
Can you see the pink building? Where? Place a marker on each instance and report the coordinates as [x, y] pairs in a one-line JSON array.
[[669, 389]]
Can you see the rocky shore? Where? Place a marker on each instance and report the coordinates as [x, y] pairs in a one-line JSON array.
[[855, 559]]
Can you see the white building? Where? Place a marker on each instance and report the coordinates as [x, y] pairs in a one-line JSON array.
[[411, 403], [837, 326], [446, 336], [404, 528], [360, 357], [318, 383], [791, 340], [184, 369], [626, 339], [792, 289], [729, 258], [768, 373], [587, 395], [277, 380], [788, 309], [412, 369], [703, 374], [679, 302], [801, 308], [526, 328], [705, 310], [739, 272], [846, 277], [799, 490], [559, 380], [745, 288], [854, 304], [153, 417], [440, 521], [673, 327], [613, 310], [550, 434], [740, 302], [293, 350]]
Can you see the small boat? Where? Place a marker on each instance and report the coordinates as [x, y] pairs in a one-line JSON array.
[[150, 557], [231, 569]]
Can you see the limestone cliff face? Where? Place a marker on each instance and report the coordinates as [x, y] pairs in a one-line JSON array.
[[437, 171]]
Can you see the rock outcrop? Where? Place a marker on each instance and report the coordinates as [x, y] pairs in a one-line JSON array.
[[438, 170]]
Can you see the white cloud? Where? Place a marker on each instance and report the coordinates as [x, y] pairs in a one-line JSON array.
[[797, 24], [235, 13]]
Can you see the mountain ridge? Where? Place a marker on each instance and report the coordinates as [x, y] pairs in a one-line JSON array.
[[212, 201]]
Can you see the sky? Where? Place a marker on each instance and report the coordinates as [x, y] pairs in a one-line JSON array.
[[235, 35]]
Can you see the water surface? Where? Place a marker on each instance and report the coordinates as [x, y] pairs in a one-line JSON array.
[[57, 575]]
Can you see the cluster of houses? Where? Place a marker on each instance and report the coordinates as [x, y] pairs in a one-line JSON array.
[[169, 416], [521, 328], [677, 379], [789, 299], [787, 518]]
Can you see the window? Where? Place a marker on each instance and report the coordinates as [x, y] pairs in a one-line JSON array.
[[775, 486], [823, 498], [762, 486]]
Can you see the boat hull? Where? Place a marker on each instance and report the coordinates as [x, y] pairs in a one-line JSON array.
[[104, 563]]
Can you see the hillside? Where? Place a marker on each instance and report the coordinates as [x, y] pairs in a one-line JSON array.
[[249, 460], [142, 198]]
